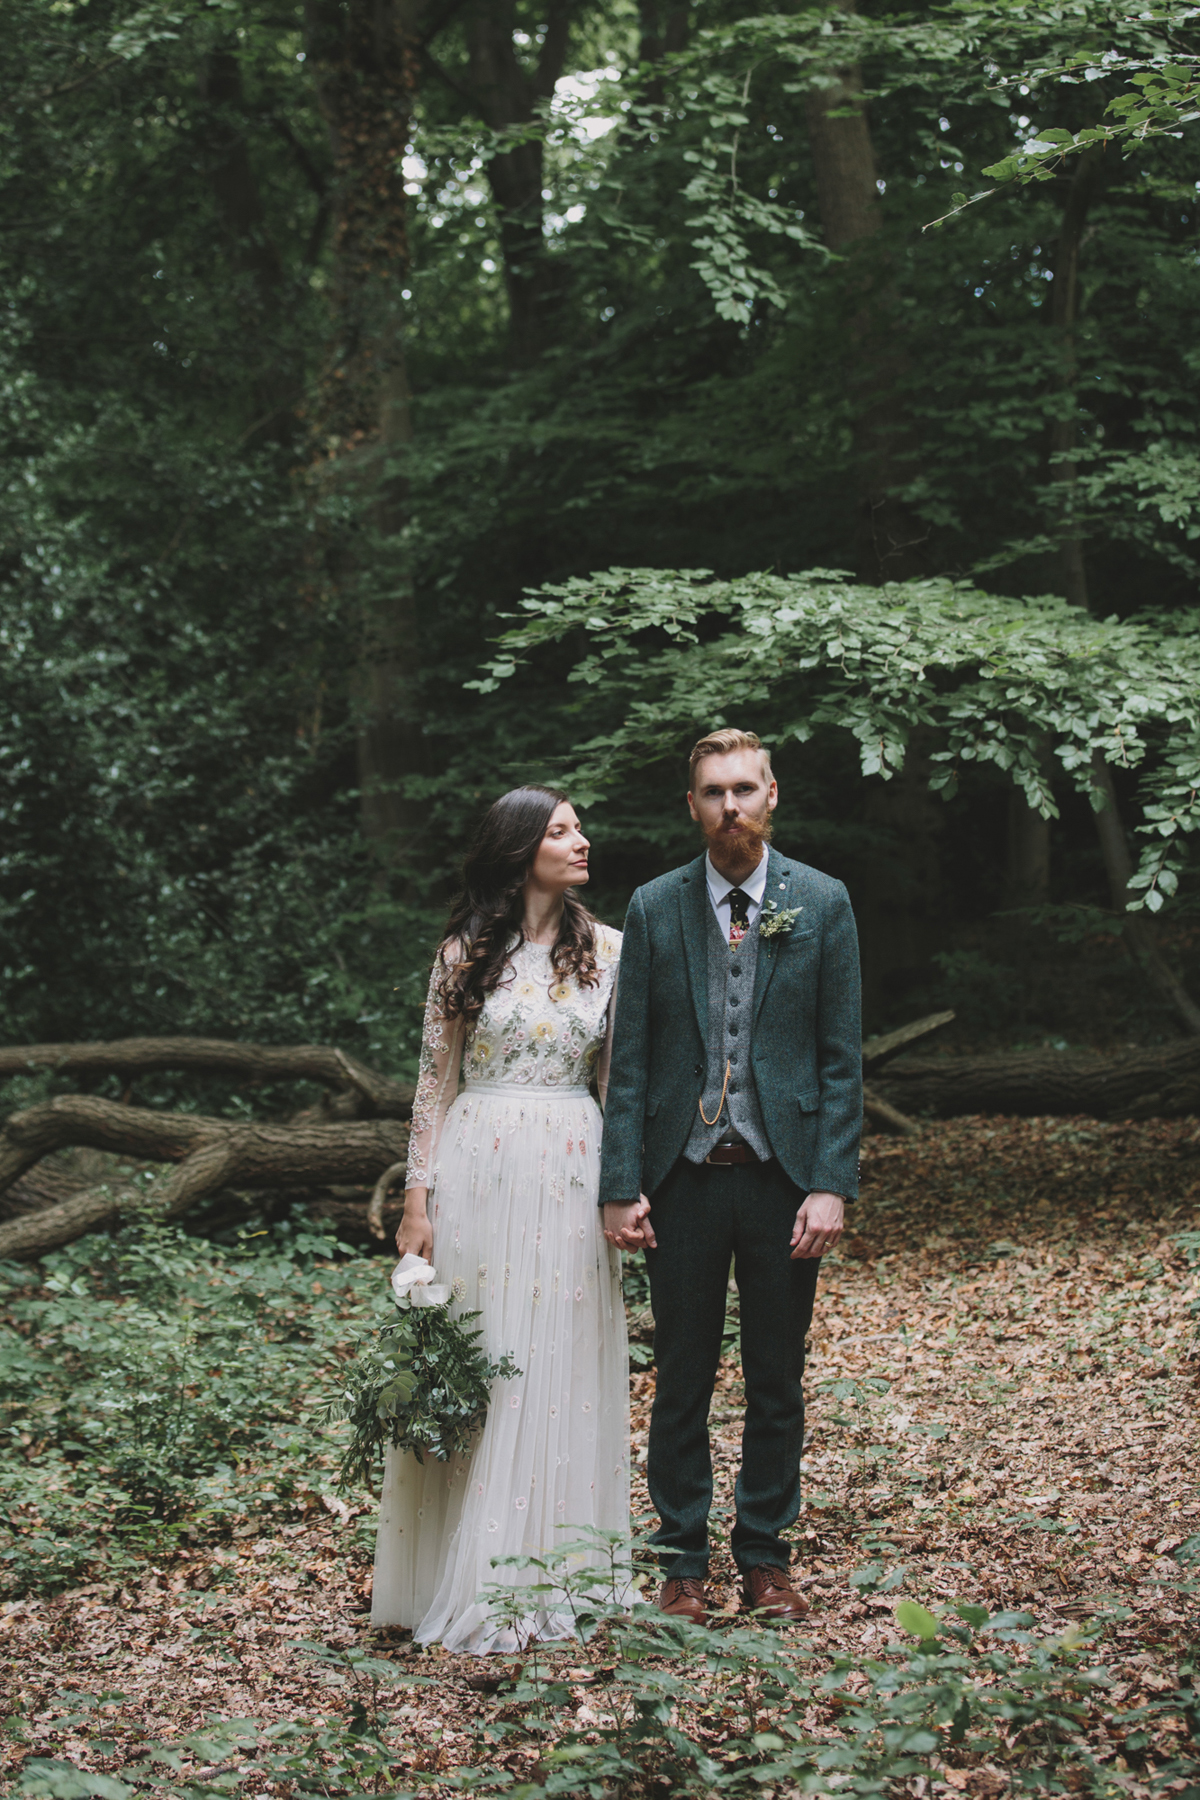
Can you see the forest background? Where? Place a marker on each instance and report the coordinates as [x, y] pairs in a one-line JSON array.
[[332, 330], [406, 398]]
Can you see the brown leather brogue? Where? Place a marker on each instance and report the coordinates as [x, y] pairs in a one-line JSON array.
[[684, 1597], [767, 1592]]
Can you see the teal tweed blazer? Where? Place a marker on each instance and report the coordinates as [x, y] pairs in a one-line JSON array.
[[806, 1044]]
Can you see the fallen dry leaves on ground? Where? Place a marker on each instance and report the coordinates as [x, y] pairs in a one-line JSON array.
[[1015, 1285]]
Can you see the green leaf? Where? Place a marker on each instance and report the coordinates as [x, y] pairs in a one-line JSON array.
[[913, 1618], [975, 1616], [63, 1781]]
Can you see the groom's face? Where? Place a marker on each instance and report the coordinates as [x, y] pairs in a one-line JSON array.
[[732, 801]]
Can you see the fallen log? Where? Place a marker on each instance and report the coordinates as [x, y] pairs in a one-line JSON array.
[[55, 1206], [877, 1052], [889, 1118], [76, 1120], [248, 1063], [209, 1154], [1138, 1084]]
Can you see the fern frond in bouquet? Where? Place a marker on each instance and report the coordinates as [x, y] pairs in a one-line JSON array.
[[421, 1383]]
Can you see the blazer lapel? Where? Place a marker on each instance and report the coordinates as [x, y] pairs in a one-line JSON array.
[[780, 887], [693, 905]]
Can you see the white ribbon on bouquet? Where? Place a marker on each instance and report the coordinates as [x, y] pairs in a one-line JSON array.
[[413, 1279]]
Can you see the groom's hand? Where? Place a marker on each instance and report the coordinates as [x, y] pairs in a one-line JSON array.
[[627, 1225], [818, 1225]]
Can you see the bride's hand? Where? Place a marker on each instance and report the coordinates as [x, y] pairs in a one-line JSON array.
[[415, 1234], [628, 1227]]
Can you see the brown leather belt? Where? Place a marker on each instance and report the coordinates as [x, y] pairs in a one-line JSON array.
[[731, 1153]]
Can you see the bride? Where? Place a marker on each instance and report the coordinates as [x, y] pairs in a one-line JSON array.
[[501, 1192]]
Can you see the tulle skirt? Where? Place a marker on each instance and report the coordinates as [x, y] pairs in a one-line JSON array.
[[517, 1234]]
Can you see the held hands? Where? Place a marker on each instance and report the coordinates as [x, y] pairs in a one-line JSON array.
[[817, 1229], [818, 1225], [628, 1227], [415, 1233]]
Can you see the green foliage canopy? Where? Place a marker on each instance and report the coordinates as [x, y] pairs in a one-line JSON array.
[[990, 680], [181, 845]]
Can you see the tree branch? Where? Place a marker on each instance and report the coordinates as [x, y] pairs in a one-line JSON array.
[[215, 1056], [304, 161], [70, 87], [878, 1051], [379, 1196], [210, 1154]]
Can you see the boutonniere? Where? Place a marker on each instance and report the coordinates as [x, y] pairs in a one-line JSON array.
[[774, 922]]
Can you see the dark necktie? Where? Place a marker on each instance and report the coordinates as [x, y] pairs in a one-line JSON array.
[[739, 916]]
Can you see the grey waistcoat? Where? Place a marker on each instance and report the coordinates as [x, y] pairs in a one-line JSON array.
[[730, 1022]]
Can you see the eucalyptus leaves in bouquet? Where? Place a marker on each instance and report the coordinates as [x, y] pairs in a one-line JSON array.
[[420, 1383]]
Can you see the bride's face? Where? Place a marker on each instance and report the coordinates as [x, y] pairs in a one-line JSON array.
[[562, 858]]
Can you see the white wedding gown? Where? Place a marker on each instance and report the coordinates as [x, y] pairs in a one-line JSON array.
[[513, 1161]]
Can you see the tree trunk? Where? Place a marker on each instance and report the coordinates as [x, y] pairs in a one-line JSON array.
[[252, 251], [1145, 1084], [901, 902], [890, 539], [663, 30], [1140, 936], [505, 95], [843, 159], [1085, 183], [1138, 928], [248, 1063], [1027, 870], [364, 57]]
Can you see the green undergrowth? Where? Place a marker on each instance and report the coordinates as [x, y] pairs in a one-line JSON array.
[[640, 1704], [156, 1387]]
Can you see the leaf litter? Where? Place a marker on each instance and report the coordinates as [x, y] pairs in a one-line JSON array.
[[1003, 1392]]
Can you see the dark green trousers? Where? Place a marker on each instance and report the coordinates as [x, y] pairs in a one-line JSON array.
[[703, 1218]]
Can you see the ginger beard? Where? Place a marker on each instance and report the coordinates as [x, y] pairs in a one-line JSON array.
[[736, 845]]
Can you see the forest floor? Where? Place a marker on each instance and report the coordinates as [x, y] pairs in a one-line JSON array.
[[1011, 1325]]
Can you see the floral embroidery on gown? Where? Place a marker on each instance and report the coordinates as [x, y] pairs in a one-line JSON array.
[[513, 1164]]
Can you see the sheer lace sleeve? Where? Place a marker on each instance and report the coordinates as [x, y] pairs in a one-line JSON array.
[[437, 1082], [612, 947]]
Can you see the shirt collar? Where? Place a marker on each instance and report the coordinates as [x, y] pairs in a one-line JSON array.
[[754, 885]]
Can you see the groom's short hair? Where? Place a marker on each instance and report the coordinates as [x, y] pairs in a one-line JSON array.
[[723, 743]]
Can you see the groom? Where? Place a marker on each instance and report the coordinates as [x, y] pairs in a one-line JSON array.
[[735, 1105]]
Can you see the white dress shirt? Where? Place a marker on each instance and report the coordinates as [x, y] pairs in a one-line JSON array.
[[754, 886]]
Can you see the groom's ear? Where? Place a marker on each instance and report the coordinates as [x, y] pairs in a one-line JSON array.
[[692, 807]]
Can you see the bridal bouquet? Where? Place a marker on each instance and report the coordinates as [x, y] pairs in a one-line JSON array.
[[421, 1383]]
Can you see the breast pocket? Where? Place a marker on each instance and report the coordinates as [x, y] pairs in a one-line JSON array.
[[794, 950]]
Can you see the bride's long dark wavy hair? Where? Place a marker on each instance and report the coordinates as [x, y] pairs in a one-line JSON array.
[[491, 906]]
